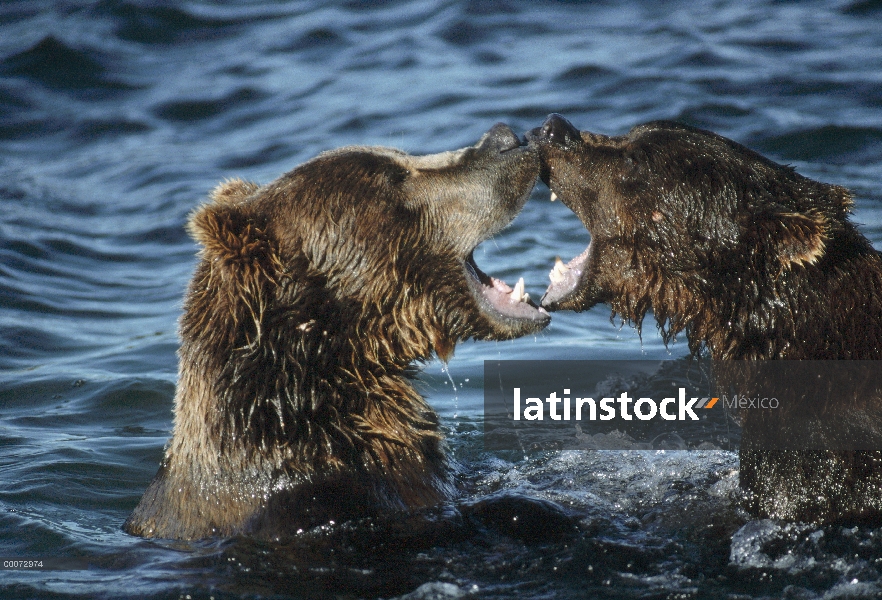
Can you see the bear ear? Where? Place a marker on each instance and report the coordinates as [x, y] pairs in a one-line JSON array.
[[232, 191], [841, 197], [795, 238], [230, 235]]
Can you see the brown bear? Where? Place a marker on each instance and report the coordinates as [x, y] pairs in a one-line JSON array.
[[752, 261], [313, 298]]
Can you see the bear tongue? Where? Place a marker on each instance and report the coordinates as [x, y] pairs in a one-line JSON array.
[[501, 285], [499, 291], [512, 302]]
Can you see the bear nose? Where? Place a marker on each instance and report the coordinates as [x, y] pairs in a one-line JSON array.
[[559, 131], [501, 138]]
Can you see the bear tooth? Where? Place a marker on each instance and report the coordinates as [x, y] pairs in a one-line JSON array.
[[559, 265], [553, 196], [518, 292], [525, 298], [559, 271]]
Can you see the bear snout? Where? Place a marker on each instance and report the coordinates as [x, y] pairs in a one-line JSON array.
[[558, 130], [500, 138]]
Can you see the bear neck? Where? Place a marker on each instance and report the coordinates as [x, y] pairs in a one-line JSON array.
[[272, 394], [831, 309]]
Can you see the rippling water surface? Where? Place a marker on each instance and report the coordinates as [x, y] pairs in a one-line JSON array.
[[117, 117]]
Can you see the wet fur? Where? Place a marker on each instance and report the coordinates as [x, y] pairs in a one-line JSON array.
[[312, 298], [747, 258]]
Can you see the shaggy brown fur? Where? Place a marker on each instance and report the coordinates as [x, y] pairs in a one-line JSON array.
[[750, 259], [313, 297]]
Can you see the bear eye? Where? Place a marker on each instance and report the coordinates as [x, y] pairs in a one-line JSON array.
[[633, 164], [397, 174], [634, 158], [631, 167]]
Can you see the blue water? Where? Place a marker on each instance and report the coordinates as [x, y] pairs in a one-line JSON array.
[[117, 117]]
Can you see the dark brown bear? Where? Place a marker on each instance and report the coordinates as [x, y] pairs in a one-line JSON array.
[[751, 261], [313, 297]]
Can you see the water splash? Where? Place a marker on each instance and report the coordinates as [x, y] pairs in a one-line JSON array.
[[446, 370]]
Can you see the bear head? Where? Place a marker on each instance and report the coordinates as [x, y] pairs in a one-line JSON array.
[[313, 297], [712, 237]]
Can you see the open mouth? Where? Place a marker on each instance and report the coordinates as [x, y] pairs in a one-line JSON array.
[[564, 277], [500, 299]]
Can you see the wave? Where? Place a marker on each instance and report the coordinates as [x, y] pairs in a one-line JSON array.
[[828, 143], [57, 65]]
